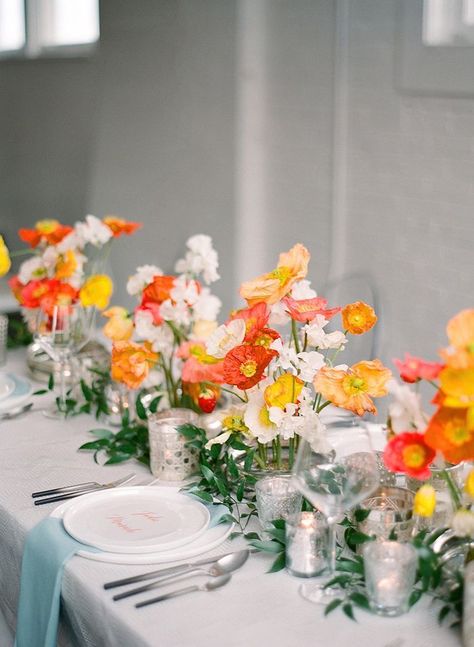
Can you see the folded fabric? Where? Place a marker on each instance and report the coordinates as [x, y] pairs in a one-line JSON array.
[[48, 547]]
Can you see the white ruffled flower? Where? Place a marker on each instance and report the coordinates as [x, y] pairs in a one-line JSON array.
[[93, 231], [278, 315], [285, 419], [32, 269], [142, 277], [184, 292], [287, 358], [207, 305], [160, 337], [71, 241], [257, 418], [201, 258], [319, 338], [405, 409], [462, 523], [312, 429], [178, 313], [303, 290], [225, 338], [309, 364]]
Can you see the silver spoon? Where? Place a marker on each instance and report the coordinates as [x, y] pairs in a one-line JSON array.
[[222, 566], [14, 413], [210, 585]]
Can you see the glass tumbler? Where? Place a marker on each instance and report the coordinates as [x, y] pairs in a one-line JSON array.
[[277, 498]]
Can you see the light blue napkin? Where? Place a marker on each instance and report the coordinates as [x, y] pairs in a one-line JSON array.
[[48, 547]]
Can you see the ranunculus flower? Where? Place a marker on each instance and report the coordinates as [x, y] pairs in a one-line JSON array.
[[120, 226], [271, 287], [412, 369], [424, 503], [5, 262], [409, 453], [358, 318], [45, 231], [244, 365], [119, 326], [305, 310], [451, 431], [131, 363], [353, 388], [96, 291], [286, 388]]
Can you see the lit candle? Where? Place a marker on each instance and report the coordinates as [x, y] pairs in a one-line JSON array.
[[306, 546]]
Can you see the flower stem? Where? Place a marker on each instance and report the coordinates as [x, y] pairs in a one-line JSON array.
[[294, 332], [453, 489], [222, 388]]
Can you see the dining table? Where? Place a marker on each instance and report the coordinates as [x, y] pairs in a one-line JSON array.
[[256, 608]]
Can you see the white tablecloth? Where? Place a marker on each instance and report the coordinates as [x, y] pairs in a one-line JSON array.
[[255, 609]]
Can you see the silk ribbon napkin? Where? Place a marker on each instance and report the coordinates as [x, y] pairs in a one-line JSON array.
[[47, 548]]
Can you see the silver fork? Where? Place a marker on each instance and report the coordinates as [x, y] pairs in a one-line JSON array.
[[70, 491]]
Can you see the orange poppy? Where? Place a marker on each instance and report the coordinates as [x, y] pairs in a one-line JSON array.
[[159, 290], [353, 389], [358, 318], [244, 365], [49, 231], [273, 286], [451, 431], [131, 363], [460, 330], [305, 310], [119, 226], [457, 386]]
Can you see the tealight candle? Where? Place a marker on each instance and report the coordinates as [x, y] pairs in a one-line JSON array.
[[390, 570], [306, 544]]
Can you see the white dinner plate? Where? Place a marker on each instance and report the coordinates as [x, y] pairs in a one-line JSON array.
[[213, 538], [135, 519], [7, 385], [22, 390]]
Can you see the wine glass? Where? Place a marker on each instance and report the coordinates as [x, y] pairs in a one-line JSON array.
[[61, 331], [335, 476]]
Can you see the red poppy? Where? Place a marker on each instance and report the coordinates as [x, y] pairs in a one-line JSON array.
[[16, 287], [262, 337], [49, 231], [305, 310], [412, 369], [255, 318], [46, 293], [244, 365], [408, 453]]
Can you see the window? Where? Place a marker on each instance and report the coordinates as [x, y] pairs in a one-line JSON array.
[[32, 28], [448, 22]]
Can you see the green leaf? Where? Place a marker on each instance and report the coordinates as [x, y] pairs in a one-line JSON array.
[[154, 404], [140, 409], [249, 460], [240, 490], [347, 608], [205, 496], [95, 444], [361, 514], [359, 599], [279, 523], [208, 474], [267, 546], [102, 433], [350, 566], [118, 458], [332, 605], [252, 535], [86, 392], [444, 611], [278, 564], [40, 392], [51, 382], [414, 597]]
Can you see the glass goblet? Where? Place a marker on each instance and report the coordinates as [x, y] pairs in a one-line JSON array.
[[61, 331], [335, 476]]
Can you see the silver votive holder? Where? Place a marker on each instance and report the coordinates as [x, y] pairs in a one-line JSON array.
[[277, 498], [390, 514], [3, 339], [170, 459], [306, 544], [390, 572]]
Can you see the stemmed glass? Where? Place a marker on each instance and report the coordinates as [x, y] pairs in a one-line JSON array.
[[334, 477], [62, 331]]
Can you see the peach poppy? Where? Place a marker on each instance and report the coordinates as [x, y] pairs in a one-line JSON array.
[[131, 363], [244, 365], [271, 287], [66, 265], [119, 326], [451, 431], [199, 366], [45, 231], [412, 369], [408, 453], [305, 310], [353, 389], [285, 390], [119, 226], [159, 290], [460, 331], [358, 318]]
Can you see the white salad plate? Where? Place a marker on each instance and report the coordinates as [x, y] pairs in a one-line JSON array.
[[135, 519], [21, 391], [7, 385]]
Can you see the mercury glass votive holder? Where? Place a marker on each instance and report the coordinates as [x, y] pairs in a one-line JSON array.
[[277, 498], [170, 459], [306, 544], [390, 514], [390, 571]]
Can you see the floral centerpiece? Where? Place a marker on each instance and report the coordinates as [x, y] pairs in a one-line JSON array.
[[421, 442]]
